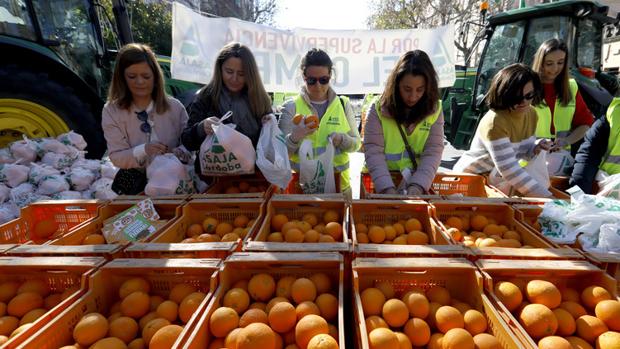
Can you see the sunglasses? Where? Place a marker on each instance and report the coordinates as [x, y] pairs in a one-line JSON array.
[[323, 80], [143, 116], [527, 97]]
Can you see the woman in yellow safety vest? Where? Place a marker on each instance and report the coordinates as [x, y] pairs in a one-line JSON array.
[[562, 113], [320, 106], [404, 127]]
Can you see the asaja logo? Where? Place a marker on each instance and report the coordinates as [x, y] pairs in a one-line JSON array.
[[218, 160], [216, 147]]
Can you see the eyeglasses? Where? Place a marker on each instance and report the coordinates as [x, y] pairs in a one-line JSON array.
[[143, 116], [527, 97], [323, 80]]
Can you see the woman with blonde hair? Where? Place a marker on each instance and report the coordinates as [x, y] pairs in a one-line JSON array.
[[139, 120]]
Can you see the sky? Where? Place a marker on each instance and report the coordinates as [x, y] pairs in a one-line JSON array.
[[322, 14]]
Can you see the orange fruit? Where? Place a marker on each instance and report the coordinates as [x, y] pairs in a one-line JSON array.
[[326, 238], [390, 232], [608, 340], [208, 238], [486, 341], [23, 303], [230, 341], [439, 295], [8, 290], [312, 236], [328, 305], [478, 222], [297, 119], [417, 304], [123, 328], [91, 328], [538, 321], [362, 238], [412, 224], [383, 338], [275, 237], [361, 228], [575, 309], [447, 318], [457, 338], [569, 294], [145, 319], [376, 234], [303, 290], [455, 222], [554, 342], [475, 322], [252, 316], [154, 302], [32, 316], [417, 238], [417, 331], [400, 228], [94, 239], [258, 305], [108, 343], [322, 341], [403, 341], [209, 224], [590, 327], [456, 234], [230, 237], [312, 121], [278, 221], [310, 218], [168, 310], [282, 317], [594, 294], [432, 310], [8, 324], [35, 285], [232, 190], [223, 228], [334, 229], [386, 288], [189, 305], [294, 235], [308, 327], [180, 291], [241, 221], [435, 341], [320, 228], [331, 216], [372, 301], [132, 285], [566, 323], [237, 299], [194, 230], [609, 312], [152, 327], [578, 343], [273, 302], [283, 287], [306, 308], [290, 225], [262, 287], [395, 312], [165, 337], [322, 282], [136, 305], [512, 235], [493, 229], [373, 322], [222, 321], [543, 292]]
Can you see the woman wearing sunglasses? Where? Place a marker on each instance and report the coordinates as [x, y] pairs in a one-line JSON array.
[[334, 114], [139, 120], [235, 86], [506, 133], [403, 131], [562, 113]]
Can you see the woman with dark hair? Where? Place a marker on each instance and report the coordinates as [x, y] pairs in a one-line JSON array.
[[505, 133], [335, 117], [562, 113], [235, 86], [139, 120], [404, 127]]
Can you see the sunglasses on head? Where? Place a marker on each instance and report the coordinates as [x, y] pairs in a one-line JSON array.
[[323, 80], [527, 97], [143, 116]]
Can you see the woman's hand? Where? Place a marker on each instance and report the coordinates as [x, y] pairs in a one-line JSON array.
[[337, 138], [208, 124], [155, 148], [268, 117], [300, 131], [543, 144], [414, 190], [390, 191]]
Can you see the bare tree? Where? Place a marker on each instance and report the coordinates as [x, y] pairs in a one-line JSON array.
[[259, 11]]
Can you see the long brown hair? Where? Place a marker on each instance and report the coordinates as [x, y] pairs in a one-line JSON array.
[[129, 55], [416, 63], [260, 103], [506, 89], [561, 81]]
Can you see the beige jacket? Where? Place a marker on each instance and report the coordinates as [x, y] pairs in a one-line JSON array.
[[126, 141]]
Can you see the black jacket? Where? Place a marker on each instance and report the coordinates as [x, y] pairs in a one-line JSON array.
[[590, 155]]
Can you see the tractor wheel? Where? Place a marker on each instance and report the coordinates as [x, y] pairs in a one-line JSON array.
[[34, 105]]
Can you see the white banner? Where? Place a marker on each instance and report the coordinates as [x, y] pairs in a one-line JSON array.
[[362, 59]]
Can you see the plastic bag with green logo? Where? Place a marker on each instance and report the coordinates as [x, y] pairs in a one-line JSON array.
[[272, 154], [227, 151], [316, 173]]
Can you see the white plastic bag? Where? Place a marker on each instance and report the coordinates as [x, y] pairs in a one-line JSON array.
[[609, 238], [5, 193], [560, 163], [38, 171], [536, 168], [92, 165], [316, 173], [226, 152], [108, 170], [53, 184], [24, 151], [81, 179], [51, 145], [272, 154], [167, 176], [24, 194], [67, 195], [609, 186], [73, 139], [6, 157], [88, 194], [60, 161], [13, 175], [8, 212], [102, 189]]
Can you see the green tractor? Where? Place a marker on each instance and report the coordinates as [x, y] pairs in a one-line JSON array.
[[513, 37], [56, 67]]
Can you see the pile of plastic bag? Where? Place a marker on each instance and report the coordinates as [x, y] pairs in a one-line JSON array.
[[51, 168], [593, 220]]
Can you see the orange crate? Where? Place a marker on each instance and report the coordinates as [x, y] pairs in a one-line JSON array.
[[503, 214], [59, 273], [463, 184], [162, 274], [459, 276], [182, 197], [67, 214], [260, 187], [367, 189], [574, 274], [241, 266], [70, 244], [294, 207], [382, 212], [559, 182], [167, 243]]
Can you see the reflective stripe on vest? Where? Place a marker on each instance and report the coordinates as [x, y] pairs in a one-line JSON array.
[[562, 115], [611, 160], [334, 120], [396, 155]]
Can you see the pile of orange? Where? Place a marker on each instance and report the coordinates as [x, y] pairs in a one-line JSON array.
[[139, 320], [212, 230], [21, 304], [291, 313], [418, 318], [308, 229], [311, 120], [481, 231], [403, 232], [563, 318], [245, 187]]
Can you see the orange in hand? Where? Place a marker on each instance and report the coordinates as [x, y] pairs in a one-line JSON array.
[[297, 119], [312, 121]]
